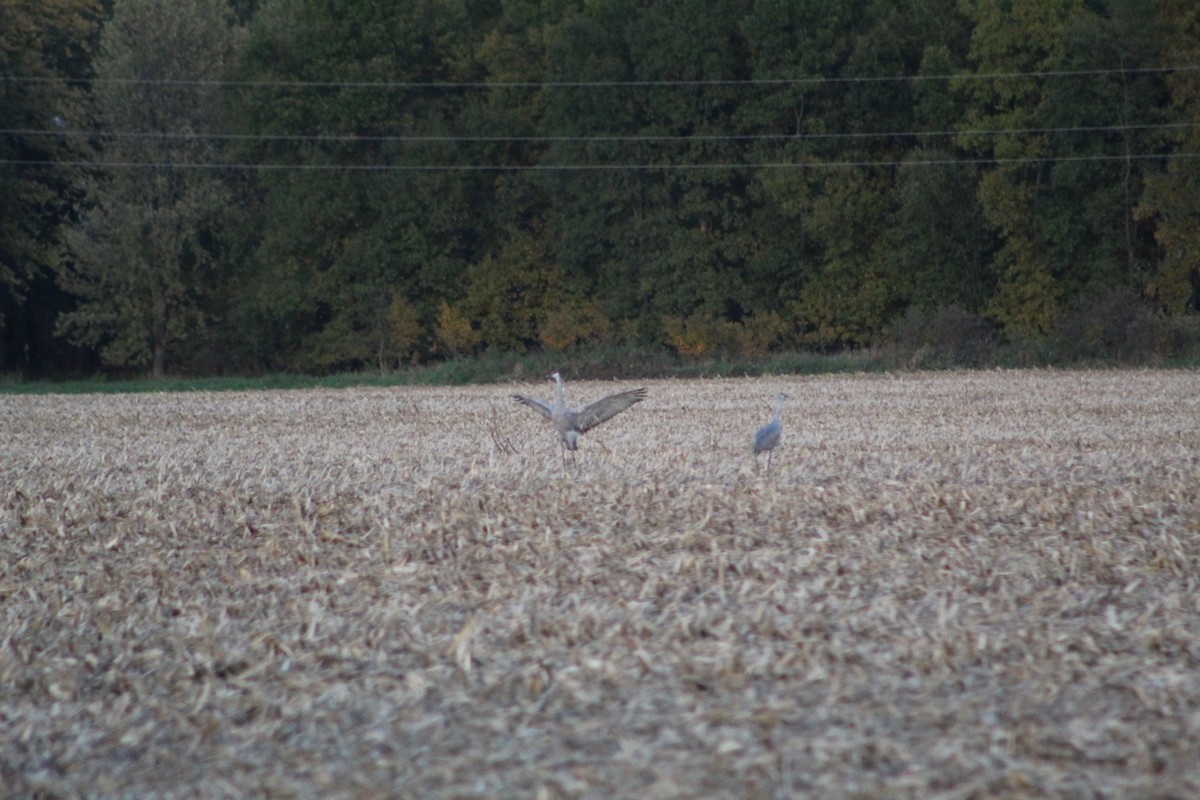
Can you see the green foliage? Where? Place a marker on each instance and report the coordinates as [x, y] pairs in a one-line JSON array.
[[572, 323], [941, 338], [701, 334], [341, 243], [847, 298], [507, 292], [48, 43], [454, 335], [141, 256], [698, 334], [587, 363], [403, 333], [758, 334], [1119, 327], [444, 180], [1027, 301], [1171, 202], [937, 244], [1061, 205]]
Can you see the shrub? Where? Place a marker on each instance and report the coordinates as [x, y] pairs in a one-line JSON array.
[[403, 331], [698, 334], [508, 290], [453, 332], [1116, 325], [941, 338], [571, 323], [1156, 338], [757, 334], [1178, 338]]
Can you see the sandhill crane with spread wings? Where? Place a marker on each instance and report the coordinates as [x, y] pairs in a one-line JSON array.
[[571, 422], [768, 436]]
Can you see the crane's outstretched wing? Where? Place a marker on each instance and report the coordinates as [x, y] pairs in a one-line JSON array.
[[606, 408], [536, 405]]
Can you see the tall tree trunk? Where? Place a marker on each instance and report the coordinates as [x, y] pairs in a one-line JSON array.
[[160, 357]]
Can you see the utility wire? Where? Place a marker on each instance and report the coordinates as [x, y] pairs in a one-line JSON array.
[[648, 167], [598, 138], [175, 82]]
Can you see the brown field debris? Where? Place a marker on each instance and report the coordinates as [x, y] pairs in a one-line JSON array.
[[955, 585]]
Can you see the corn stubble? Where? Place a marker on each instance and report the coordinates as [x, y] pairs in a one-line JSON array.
[[950, 586]]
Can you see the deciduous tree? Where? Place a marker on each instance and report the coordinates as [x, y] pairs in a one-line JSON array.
[[356, 215], [139, 260], [43, 46], [1172, 197]]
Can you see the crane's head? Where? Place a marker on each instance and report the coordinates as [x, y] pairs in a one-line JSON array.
[[554, 376]]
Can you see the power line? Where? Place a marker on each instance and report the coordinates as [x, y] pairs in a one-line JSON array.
[[647, 167], [648, 84], [598, 138]]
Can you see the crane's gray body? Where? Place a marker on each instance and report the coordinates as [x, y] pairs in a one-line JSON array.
[[571, 422], [770, 435]]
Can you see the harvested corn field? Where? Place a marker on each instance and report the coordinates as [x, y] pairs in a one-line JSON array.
[[965, 585]]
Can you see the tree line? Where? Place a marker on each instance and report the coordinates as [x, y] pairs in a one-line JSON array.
[[211, 187]]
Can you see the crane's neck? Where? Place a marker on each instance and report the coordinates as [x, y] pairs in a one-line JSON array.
[[558, 390], [778, 409]]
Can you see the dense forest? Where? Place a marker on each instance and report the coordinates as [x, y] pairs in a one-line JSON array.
[[203, 187]]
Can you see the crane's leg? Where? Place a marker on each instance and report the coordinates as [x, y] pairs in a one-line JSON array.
[[770, 454]]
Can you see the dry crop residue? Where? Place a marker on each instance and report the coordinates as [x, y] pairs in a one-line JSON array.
[[951, 585]]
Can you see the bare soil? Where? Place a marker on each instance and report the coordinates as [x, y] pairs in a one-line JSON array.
[[951, 585]]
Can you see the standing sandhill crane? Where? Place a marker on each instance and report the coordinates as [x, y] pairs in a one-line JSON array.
[[570, 422], [768, 435]]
